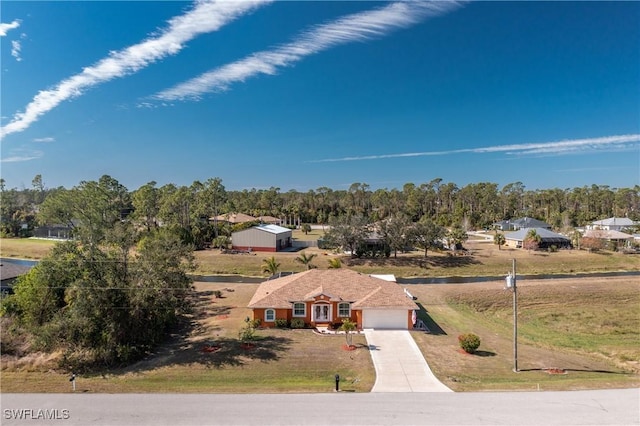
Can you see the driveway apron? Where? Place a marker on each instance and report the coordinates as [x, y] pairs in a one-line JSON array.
[[399, 364]]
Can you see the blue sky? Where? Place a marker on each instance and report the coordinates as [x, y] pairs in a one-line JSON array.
[[302, 94]]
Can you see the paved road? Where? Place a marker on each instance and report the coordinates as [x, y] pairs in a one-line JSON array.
[[610, 407], [400, 366]]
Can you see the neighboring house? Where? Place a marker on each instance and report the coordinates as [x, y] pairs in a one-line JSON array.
[[548, 238], [620, 239], [233, 218], [516, 224], [262, 238], [612, 224], [325, 296], [269, 219], [9, 273]]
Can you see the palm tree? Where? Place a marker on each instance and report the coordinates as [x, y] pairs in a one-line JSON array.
[[335, 263], [348, 326], [532, 240], [270, 265], [499, 239], [306, 259]]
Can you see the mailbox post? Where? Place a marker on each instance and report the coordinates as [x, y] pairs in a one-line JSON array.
[[337, 383], [72, 379]]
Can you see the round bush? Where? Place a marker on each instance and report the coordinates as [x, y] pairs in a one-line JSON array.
[[297, 323], [469, 342]]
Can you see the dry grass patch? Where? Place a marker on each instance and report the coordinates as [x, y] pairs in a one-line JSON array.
[[25, 248], [598, 346]]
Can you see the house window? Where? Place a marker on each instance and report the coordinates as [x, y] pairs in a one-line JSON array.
[[344, 310], [269, 315], [299, 309]]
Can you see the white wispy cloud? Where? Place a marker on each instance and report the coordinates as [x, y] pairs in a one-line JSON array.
[[205, 16], [15, 50], [22, 154], [573, 146], [4, 28], [350, 28], [44, 140]]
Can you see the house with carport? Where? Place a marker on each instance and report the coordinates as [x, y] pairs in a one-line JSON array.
[[321, 297]]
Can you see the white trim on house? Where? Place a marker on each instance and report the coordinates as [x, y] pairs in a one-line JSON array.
[[266, 315], [340, 307], [321, 312], [304, 310]]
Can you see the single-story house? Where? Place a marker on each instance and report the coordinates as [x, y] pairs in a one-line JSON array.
[[262, 238], [270, 219], [524, 222], [620, 239], [9, 273], [612, 224], [548, 238], [233, 218], [325, 296]]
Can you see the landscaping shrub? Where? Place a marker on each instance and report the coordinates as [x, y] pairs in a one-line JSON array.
[[297, 323], [469, 342], [217, 294], [247, 333], [256, 323], [281, 322]]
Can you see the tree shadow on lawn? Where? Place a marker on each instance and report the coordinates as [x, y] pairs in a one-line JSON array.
[[415, 261], [579, 370], [218, 353], [231, 352], [204, 305], [432, 326], [452, 261]]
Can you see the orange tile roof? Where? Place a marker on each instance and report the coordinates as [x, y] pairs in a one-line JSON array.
[[342, 284]]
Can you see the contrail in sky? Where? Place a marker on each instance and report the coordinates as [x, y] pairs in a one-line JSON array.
[[557, 147], [206, 16], [350, 28]]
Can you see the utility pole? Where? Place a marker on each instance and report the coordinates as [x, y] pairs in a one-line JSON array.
[[511, 284]]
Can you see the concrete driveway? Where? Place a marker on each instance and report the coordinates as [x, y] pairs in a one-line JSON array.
[[400, 366]]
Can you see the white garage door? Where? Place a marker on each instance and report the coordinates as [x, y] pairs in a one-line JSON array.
[[384, 318]]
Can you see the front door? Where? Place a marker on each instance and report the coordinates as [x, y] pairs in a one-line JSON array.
[[321, 312]]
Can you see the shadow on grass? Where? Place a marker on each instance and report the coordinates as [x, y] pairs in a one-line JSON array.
[[218, 353], [578, 370], [190, 343], [484, 353], [231, 352], [450, 261], [432, 326]]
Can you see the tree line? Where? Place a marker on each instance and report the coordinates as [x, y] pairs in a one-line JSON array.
[[109, 295], [187, 208]]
